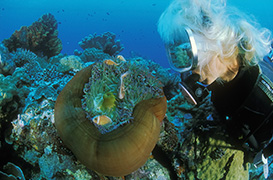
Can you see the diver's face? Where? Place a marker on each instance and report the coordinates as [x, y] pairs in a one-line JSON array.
[[225, 69], [189, 49]]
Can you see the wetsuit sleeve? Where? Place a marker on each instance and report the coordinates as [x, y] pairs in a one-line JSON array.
[[268, 151]]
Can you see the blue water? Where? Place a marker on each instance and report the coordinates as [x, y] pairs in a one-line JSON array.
[[133, 21]]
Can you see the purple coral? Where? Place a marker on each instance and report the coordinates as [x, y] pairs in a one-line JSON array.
[[105, 42]]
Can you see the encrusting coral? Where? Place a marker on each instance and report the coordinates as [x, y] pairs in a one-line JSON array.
[[70, 63], [41, 37], [127, 142], [105, 42]]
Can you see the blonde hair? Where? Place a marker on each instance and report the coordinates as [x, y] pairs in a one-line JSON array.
[[218, 30]]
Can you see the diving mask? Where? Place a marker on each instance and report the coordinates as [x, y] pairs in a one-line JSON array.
[[182, 56], [182, 53]]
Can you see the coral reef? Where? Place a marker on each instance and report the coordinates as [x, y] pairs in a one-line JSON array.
[[204, 151], [168, 140], [117, 100], [92, 55], [30, 85], [13, 92], [41, 37], [217, 160], [165, 76], [35, 139], [194, 144], [151, 170], [22, 56], [7, 67], [105, 42]]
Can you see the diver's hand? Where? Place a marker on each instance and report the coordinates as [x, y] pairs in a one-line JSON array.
[[259, 159]]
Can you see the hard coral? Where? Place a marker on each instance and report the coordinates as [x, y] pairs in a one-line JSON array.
[[22, 56], [35, 140], [105, 42], [93, 55], [7, 66], [41, 37], [70, 63], [12, 92]]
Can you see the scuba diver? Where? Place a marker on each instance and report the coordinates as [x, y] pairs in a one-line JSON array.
[[218, 50]]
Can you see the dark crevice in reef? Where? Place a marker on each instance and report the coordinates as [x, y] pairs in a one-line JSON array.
[[227, 167], [8, 154], [165, 161]]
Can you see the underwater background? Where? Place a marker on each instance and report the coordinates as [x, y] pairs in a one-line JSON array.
[[134, 22], [119, 40]]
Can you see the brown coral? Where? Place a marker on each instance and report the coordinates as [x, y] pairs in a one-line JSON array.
[[41, 37], [116, 153], [105, 42]]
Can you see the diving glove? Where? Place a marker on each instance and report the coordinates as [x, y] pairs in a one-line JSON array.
[[260, 160]]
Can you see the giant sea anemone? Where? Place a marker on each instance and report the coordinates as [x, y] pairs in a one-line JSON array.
[[131, 123]]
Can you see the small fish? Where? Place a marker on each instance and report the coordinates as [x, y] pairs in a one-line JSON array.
[[110, 62], [122, 87], [102, 120], [121, 58]]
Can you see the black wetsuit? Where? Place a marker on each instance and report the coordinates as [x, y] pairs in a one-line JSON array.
[[246, 103]]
